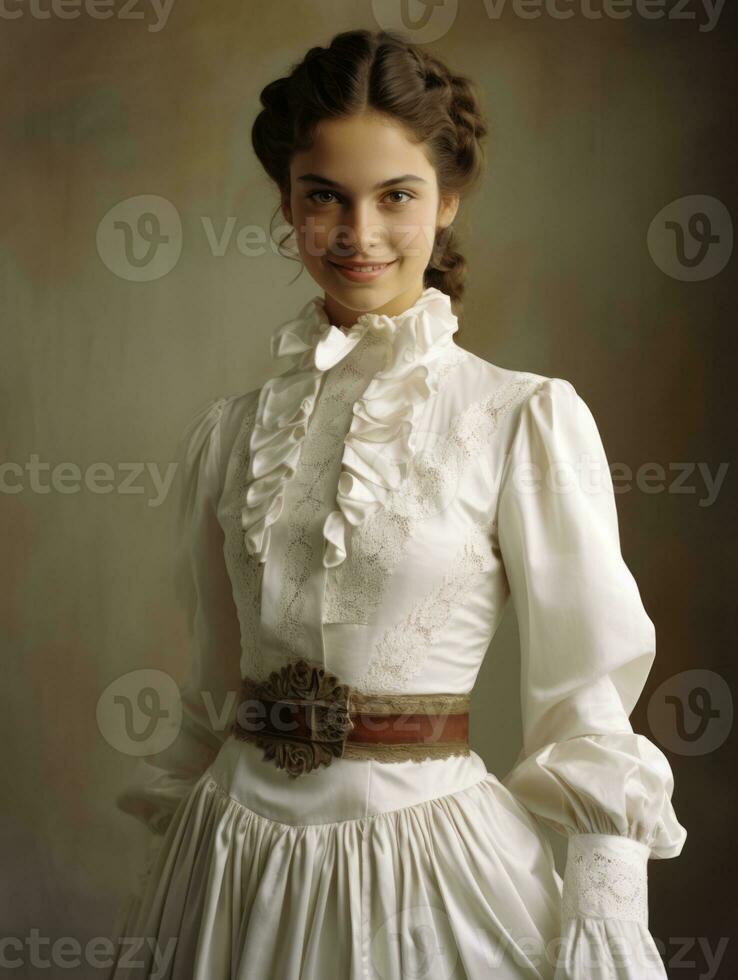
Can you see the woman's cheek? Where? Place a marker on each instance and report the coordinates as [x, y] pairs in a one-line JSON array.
[[411, 235], [315, 234]]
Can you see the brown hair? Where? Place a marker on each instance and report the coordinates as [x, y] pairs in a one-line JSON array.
[[381, 70]]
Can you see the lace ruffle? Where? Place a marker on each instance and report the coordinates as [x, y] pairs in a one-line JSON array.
[[379, 445]]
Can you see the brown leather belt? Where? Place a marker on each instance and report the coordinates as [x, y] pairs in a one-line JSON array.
[[304, 717]]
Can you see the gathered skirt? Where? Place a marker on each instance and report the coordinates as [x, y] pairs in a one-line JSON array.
[[252, 882]]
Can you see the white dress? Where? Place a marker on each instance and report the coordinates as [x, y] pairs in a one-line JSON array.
[[371, 509]]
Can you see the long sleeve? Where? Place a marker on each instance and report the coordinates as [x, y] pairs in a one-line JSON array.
[[160, 782], [587, 647]]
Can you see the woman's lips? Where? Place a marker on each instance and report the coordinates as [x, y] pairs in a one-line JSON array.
[[360, 274]]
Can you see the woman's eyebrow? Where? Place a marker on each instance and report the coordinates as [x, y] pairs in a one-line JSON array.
[[404, 178]]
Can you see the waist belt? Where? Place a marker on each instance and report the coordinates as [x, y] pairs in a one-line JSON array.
[[304, 717]]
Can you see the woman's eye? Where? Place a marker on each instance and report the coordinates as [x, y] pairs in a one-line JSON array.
[[314, 195], [408, 196]]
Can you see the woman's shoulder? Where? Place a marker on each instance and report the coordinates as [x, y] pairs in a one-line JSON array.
[[215, 417], [240, 406], [515, 393], [237, 411], [208, 437], [480, 378]]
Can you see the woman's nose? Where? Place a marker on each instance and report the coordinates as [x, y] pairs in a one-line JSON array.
[[364, 232]]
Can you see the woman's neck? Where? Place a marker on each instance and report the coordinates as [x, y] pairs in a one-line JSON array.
[[344, 317]]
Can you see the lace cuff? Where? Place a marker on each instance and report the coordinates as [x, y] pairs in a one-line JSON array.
[[606, 877]]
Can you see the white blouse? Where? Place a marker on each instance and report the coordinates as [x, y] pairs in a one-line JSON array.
[[371, 508]]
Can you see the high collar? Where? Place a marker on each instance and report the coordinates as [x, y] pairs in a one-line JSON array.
[[379, 445], [428, 321]]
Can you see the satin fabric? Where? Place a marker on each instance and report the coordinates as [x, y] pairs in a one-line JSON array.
[[371, 509]]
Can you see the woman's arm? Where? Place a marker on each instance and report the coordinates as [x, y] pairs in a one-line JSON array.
[[159, 783], [587, 647]]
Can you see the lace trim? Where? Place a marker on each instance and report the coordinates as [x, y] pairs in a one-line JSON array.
[[410, 703], [402, 649], [416, 752], [381, 440], [601, 883], [354, 589], [483, 417], [313, 487]]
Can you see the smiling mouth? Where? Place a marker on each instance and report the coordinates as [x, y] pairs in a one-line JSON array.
[[361, 267]]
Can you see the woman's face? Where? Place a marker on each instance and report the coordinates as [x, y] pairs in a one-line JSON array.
[[365, 194]]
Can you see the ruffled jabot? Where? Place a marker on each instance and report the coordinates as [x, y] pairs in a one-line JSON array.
[[379, 445]]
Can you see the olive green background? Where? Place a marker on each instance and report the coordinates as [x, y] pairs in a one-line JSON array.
[[596, 125]]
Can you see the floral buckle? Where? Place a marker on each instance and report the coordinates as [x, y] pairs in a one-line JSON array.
[[299, 716]]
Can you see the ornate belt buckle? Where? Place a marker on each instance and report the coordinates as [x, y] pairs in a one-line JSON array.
[[314, 734]]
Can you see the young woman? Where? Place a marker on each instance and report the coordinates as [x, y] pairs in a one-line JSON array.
[[352, 531]]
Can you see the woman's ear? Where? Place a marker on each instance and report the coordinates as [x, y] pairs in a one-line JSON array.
[[447, 210]]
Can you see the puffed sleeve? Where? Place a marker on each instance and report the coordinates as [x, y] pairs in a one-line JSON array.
[[160, 782], [587, 647]]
